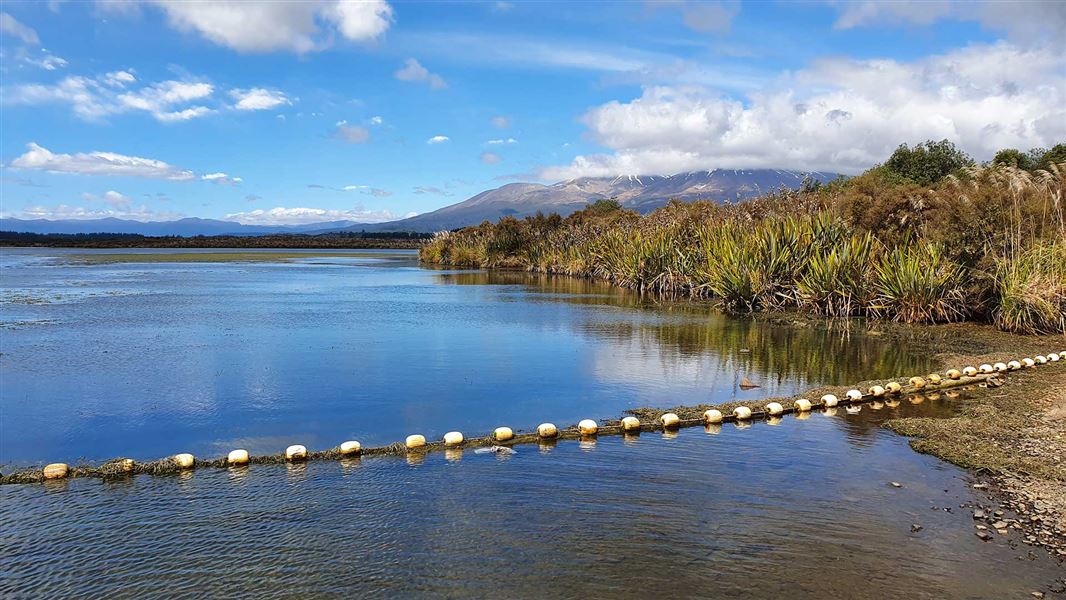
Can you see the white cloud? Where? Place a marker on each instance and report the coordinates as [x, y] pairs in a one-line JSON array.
[[258, 99], [13, 27], [704, 16], [119, 78], [304, 216], [220, 179], [490, 158], [500, 122], [95, 98], [838, 115], [502, 141], [438, 139], [266, 26], [98, 163], [414, 71], [1024, 21], [115, 200], [67, 212], [376, 120], [353, 134], [47, 61]]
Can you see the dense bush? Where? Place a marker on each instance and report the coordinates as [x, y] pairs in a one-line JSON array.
[[983, 243]]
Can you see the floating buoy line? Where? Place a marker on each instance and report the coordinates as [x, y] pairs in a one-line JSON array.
[[884, 394]]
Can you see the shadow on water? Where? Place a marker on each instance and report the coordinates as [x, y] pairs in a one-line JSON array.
[[811, 352]]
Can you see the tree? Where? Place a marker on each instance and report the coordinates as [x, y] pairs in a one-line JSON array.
[[1056, 155], [1014, 158], [928, 162]]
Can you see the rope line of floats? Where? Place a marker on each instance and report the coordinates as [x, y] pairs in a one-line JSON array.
[[505, 436]]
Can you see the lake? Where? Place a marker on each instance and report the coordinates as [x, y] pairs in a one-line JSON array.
[[151, 353]]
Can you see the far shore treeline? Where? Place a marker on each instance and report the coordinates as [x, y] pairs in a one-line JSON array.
[[360, 240], [928, 236]]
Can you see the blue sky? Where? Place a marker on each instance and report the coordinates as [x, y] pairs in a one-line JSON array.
[[367, 111]]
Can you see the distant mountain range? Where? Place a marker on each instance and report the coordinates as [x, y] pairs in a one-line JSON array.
[[643, 194]]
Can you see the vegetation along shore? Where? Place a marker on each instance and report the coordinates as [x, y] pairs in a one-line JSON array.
[[926, 237]]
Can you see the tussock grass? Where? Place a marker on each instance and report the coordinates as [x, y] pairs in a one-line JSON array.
[[986, 244]]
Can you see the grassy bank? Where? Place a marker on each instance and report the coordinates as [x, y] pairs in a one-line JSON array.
[[345, 240], [928, 237]]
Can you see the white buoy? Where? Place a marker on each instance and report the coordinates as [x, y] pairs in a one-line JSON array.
[[934, 378], [893, 387], [803, 416], [877, 405], [802, 405], [588, 427], [830, 411], [502, 434], [773, 420], [547, 430], [296, 452], [1000, 367], [969, 371], [1054, 357], [184, 460], [1028, 362], [917, 383], [1040, 359], [712, 416], [670, 421], [774, 408], [986, 369], [351, 447], [630, 424], [830, 400], [1014, 365], [853, 410], [237, 457], [742, 413], [56, 471], [415, 441], [854, 395], [453, 438], [953, 374], [877, 391]]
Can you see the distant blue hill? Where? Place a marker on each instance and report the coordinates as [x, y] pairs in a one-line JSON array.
[[640, 193]]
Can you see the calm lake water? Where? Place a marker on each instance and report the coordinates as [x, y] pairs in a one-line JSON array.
[[145, 359]]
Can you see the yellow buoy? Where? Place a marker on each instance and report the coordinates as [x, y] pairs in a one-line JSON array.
[[934, 378], [893, 387], [917, 383], [854, 395], [670, 421], [502, 434], [351, 447], [1028, 362], [774, 408], [892, 403], [830, 412], [587, 427], [56, 471], [877, 391], [415, 441], [933, 397], [953, 374], [877, 405], [986, 369], [1000, 367], [296, 452], [237, 457], [1014, 365], [742, 413], [630, 424], [547, 430], [830, 400], [802, 405], [453, 438], [969, 371], [184, 460], [803, 416], [712, 416], [773, 420], [1040, 359]]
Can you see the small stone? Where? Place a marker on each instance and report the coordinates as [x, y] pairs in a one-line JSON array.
[[984, 535], [999, 525], [1037, 594], [980, 486], [980, 527], [895, 484], [915, 528], [978, 514]]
